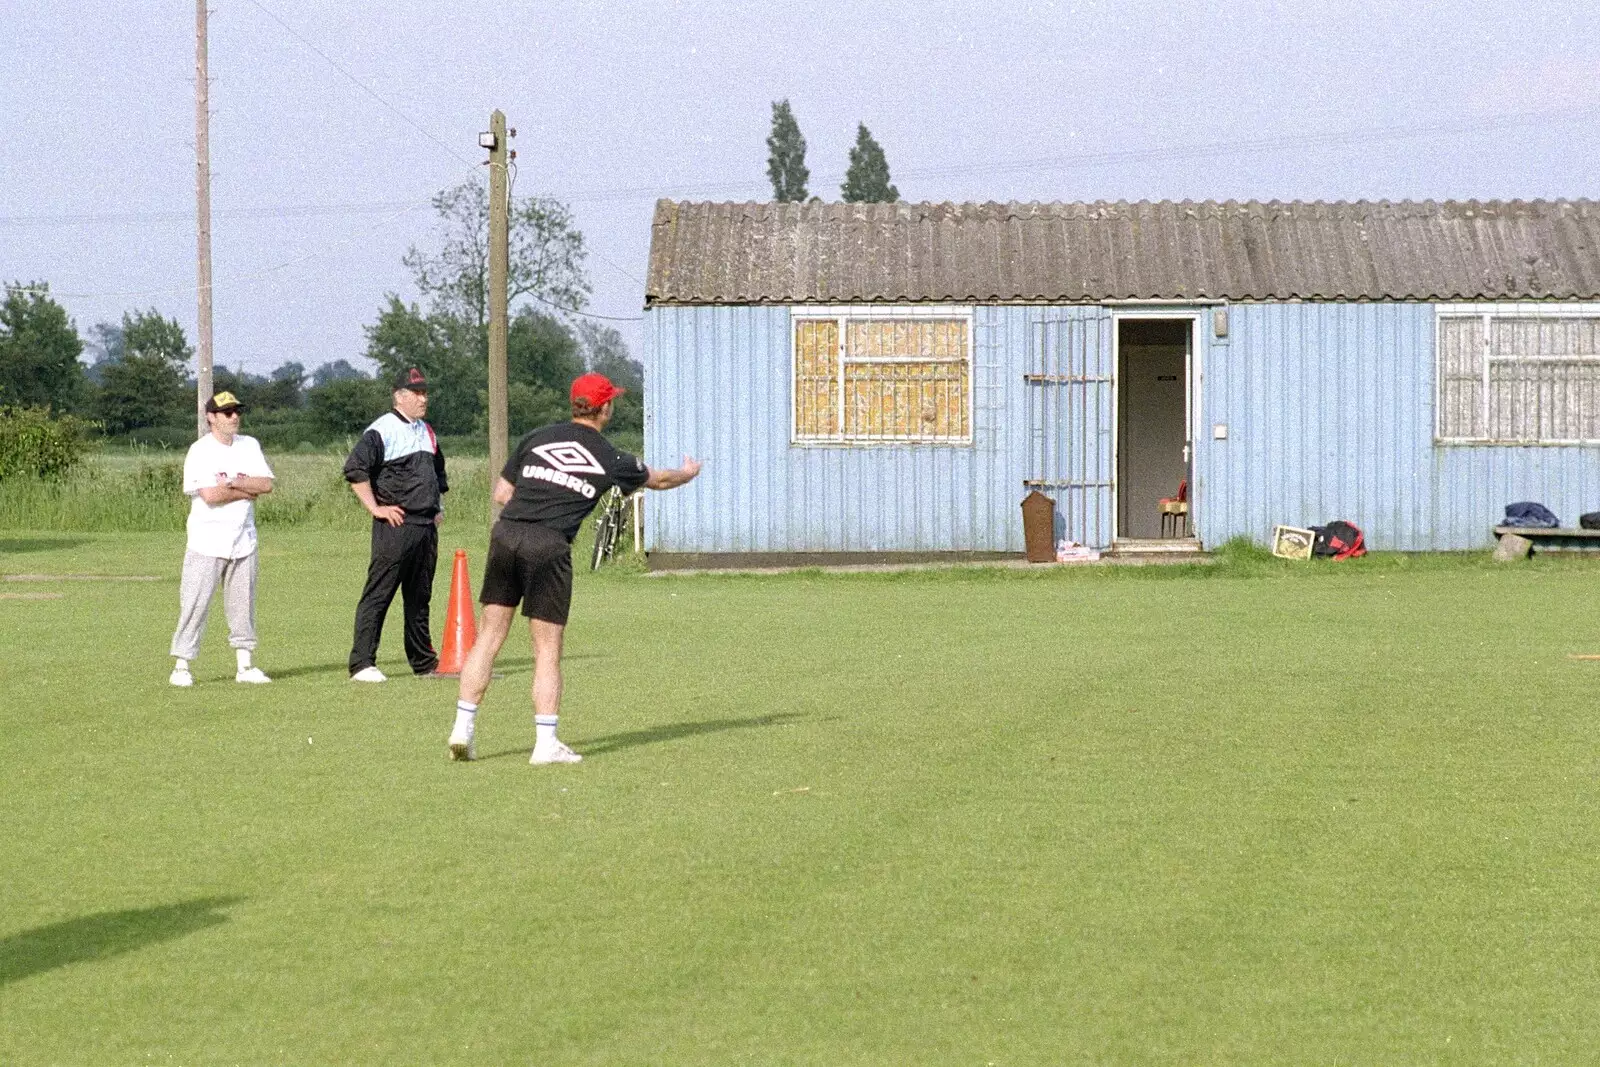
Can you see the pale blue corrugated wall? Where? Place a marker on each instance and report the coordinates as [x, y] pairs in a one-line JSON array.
[[1068, 411], [719, 389], [1329, 409]]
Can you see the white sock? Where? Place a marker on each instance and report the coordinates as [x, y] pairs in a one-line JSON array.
[[544, 729], [466, 717], [243, 656], [180, 665]]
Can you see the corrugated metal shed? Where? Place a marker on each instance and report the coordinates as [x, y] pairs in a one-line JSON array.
[[769, 253]]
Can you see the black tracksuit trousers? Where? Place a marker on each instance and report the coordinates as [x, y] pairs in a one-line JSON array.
[[403, 559]]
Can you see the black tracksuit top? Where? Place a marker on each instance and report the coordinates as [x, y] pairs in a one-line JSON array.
[[402, 460]]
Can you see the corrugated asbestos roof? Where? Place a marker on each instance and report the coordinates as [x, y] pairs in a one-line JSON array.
[[1081, 253]]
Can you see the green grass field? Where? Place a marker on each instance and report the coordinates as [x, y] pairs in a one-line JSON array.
[[1252, 813]]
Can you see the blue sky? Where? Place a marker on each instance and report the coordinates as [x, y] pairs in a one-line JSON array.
[[320, 183]]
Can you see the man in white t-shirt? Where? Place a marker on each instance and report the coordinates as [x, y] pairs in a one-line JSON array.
[[223, 474]]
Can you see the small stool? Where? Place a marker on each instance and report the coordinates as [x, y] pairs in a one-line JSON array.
[[1174, 513]]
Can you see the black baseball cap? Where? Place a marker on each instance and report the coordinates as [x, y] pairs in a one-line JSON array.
[[223, 401], [413, 379]]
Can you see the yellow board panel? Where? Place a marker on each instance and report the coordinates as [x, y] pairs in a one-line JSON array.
[[816, 347], [906, 399], [906, 379]]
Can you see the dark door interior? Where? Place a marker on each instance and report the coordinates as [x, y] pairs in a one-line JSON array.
[[1151, 404]]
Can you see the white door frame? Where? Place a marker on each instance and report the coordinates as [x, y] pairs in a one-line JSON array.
[[1191, 399]]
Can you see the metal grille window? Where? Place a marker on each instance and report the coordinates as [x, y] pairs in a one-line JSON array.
[[1519, 377], [883, 376]]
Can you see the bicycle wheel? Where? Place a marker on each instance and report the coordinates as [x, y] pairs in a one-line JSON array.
[[605, 532]]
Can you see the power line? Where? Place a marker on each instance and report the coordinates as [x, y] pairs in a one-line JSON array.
[[1339, 138], [363, 86], [1085, 161], [1040, 164], [399, 208], [252, 275], [616, 267], [586, 314], [281, 211]]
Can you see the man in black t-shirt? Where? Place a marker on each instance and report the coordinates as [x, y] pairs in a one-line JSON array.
[[554, 478]]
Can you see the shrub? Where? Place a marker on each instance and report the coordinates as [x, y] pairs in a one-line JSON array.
[[158, 479], [282, 432], [163, 437], [33, 443], [348, 406]]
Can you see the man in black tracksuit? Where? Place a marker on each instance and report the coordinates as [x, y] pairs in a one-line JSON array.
[[397, 472]]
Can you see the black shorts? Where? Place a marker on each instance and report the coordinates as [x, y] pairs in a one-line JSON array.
[[532, 564]]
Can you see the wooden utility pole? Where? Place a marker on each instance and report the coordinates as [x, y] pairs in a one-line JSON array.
[[499, 268], [202, 191]]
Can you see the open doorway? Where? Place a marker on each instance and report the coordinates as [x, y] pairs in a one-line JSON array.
[[1152, 425]]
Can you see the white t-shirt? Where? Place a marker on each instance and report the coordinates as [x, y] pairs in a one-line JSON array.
[[226, 531]]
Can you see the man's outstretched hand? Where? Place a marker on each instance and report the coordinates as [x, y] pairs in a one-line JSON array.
[[671, 479]]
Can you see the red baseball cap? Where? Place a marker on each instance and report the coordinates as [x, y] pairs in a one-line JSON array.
[[594, 389]]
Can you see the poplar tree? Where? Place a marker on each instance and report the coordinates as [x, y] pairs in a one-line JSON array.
[[786, 155], [867, 180], [39, 349]]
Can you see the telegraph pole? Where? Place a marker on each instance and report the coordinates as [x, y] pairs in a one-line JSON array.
[[499, 268], [202, 189]]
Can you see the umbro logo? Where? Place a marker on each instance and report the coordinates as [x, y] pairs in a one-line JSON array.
[[569, 457]]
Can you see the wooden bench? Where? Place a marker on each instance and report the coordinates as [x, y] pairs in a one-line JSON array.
[[1518, 542]]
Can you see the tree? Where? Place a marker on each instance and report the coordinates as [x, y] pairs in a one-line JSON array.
[[546, 256], [348, 405], [148, 385], [338, 370], [541, 350], [867, 179], [105, 341], [241, 383], [450, 341], [262, 394], [605, 351], [284, 389], [542, 358], [39, 349], [529, 406], [444, 349], [786, 155]]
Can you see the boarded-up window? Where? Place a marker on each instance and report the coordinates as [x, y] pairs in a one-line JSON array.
[[901, 378], [1519, 378], [816, 377]]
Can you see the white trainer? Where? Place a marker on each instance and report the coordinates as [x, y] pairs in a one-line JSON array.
[[252, 675], [180, 676], [370, 674], [463, 748], [553, 752]]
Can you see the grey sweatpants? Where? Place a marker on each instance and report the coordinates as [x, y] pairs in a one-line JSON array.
[[201, 574]]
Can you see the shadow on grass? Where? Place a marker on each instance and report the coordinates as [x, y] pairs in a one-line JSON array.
[[503, 666], [668, 732], [316, 668], [39, 544], [102, 936]]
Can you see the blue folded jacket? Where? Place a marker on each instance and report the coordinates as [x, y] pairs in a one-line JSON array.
[[1529, 515]]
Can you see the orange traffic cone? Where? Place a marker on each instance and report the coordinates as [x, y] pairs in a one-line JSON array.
[[459, 629]]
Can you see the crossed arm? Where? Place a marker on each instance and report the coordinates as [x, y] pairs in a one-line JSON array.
[[239, 487]]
